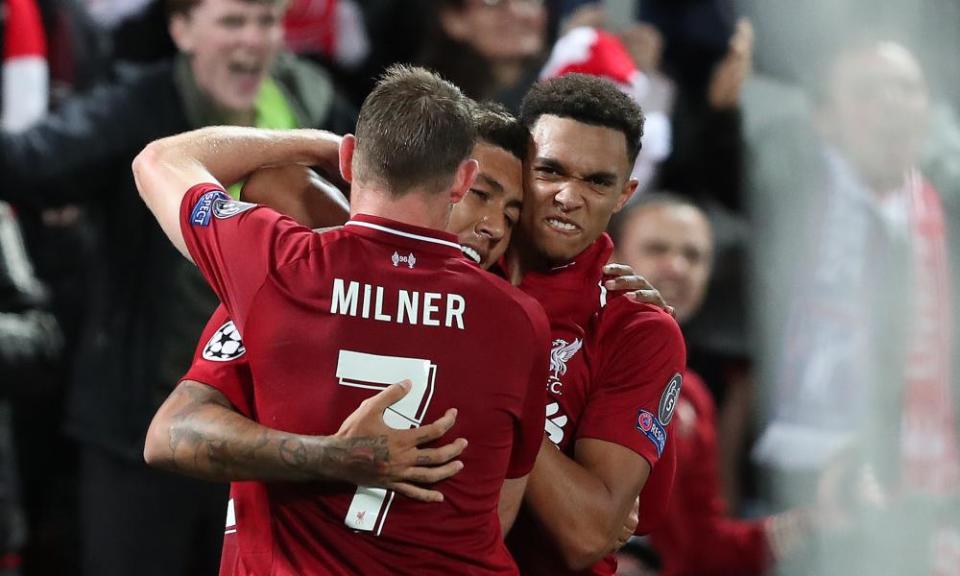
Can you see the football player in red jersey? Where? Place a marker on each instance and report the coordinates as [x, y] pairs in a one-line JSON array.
[[219, 380], [329, 319], [622, 382], [616, 364]]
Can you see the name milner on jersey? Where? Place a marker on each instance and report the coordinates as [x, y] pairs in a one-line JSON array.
[[401, 306]]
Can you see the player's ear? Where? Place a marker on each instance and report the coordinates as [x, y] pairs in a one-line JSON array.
[[347, 147], [466, 175], [628, 190]]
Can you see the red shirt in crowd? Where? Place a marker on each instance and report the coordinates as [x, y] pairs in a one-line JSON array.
[[614, 374], [328, 320], [698, 537]]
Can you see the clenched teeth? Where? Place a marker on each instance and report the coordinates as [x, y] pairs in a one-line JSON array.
[[561, 225], [471, 253]]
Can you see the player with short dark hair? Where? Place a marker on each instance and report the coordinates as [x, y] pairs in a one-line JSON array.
[[330, 318], [616, 365], [580, 97]]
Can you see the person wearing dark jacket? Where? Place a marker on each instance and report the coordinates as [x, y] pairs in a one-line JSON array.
[[29, 341], [150, 305]]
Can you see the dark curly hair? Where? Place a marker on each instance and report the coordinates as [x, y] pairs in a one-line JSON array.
[[588, 99]]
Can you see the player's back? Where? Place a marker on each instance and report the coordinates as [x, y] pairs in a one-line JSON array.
[[364, 307]]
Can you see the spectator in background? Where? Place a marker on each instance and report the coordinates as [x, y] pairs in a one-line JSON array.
[[149, 305], [865, 384], [30, 340], [492, 49], [30, 343], [25, 77], [668, 240]]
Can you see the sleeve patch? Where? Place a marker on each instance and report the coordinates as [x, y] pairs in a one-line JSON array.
[[653, 430], [225, 344], [203, 209], [668, 400], [225, 207]]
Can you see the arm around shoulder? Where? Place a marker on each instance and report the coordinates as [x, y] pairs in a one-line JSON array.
[[197, 432]]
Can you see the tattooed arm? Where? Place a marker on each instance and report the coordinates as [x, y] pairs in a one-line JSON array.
[[197, 432]]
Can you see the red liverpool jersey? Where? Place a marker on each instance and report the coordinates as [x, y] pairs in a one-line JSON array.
[[330, 319], [220, 361], [615, 373]]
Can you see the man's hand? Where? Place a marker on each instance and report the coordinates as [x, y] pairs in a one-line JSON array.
[[645, 44], [629, 526], [378, 455], [636, 286], [199, 433], [731, 72]]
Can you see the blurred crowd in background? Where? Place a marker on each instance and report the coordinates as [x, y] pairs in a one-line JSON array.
[[800, 178]]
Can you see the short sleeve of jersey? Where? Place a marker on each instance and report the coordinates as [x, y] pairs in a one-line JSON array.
[[220, 361], [236, 245], [529, 433], [641, 359]]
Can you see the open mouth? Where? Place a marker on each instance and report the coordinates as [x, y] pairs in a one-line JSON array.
[[562, 225], [249, 68], [471, 253]]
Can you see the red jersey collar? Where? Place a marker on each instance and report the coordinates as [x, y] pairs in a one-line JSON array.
[[572, 291], [588, 263], [394, 232]]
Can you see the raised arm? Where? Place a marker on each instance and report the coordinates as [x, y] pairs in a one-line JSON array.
[[197, 432], [167, 168], [298, 192]]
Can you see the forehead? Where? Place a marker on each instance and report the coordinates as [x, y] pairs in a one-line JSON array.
[[674, 224], [502, 167], [877, 66], [583, 148], [220, 6]]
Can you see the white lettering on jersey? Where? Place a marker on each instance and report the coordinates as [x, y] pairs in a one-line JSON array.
[[344, 301], [438, 309]]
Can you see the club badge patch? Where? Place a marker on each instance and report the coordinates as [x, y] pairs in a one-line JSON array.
[[653, 430], [203, 209], [226, 207], [225, 344], [668, 401]]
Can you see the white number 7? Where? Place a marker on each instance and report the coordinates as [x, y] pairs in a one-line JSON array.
[[369, 506]]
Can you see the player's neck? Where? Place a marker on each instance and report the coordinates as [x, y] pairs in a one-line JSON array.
[[522, 258], [414, 208]]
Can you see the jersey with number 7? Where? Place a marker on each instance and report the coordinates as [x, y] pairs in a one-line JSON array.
[[330, 319]]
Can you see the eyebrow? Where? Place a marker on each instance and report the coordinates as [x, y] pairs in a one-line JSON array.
[[559, 167], [549, 163], [490, 182]]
